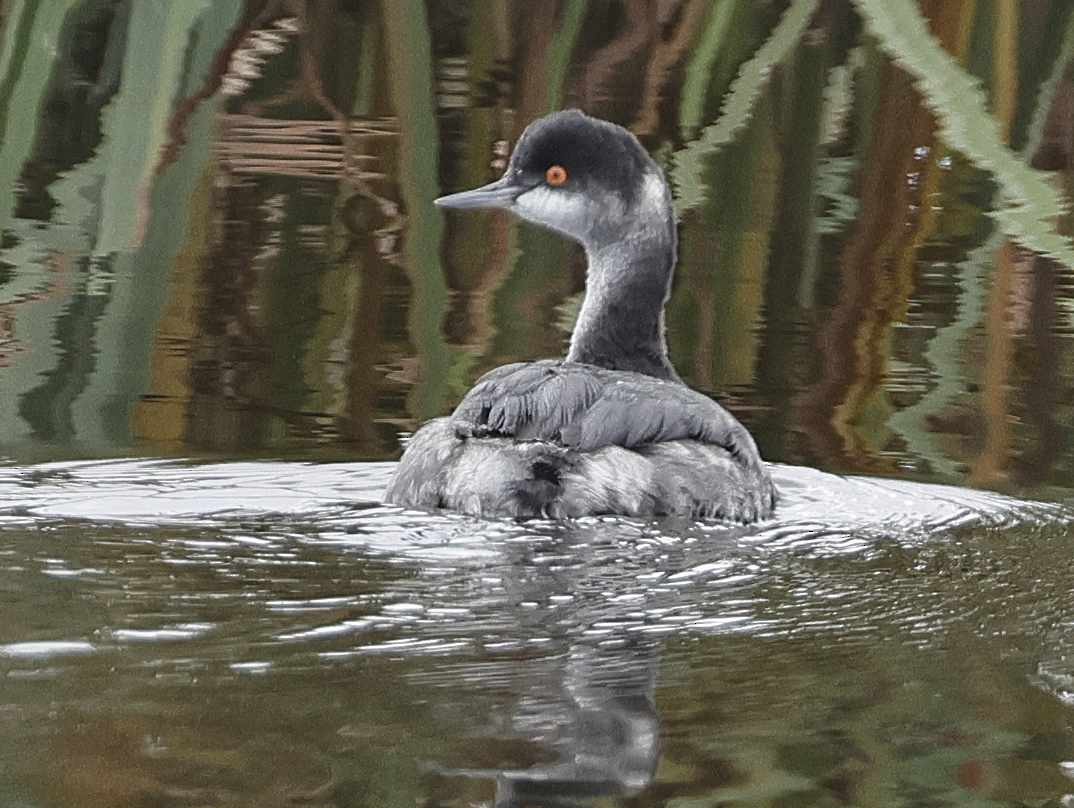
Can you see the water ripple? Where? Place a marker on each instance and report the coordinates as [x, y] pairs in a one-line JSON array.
[[277, 567]]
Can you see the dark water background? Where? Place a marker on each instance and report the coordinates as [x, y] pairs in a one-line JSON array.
[[217, 241]]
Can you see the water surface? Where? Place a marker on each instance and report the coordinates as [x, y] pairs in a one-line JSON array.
[[268, 634]]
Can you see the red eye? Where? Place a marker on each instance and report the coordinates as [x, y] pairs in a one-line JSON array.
[[555, 176]]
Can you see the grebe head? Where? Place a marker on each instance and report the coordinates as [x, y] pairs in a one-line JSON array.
[[585, 178]]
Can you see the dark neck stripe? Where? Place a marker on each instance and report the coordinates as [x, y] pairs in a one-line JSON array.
[[621, 325]]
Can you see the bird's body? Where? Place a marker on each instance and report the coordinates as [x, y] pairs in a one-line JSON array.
[[611, 429]]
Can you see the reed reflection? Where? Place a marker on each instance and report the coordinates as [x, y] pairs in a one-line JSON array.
[[216, 238], [218, 234]]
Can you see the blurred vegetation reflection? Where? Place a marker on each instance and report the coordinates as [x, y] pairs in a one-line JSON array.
[[218, 234]]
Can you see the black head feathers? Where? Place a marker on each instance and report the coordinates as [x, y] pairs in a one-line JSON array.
[[592, 151]]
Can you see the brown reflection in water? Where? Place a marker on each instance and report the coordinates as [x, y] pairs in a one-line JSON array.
[[988, 468], [667, 54], [162, 417], [876, 282], [1042, 384], [1045, 408], [621, 61]]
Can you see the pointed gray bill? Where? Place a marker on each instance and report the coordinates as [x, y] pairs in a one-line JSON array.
[[499, 194]]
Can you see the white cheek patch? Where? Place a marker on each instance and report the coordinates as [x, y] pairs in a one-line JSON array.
[[654, 193], [560, 210]]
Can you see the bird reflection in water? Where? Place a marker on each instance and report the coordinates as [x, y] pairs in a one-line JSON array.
[[609, 743]]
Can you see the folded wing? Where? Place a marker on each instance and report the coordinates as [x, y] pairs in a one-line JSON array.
[[586, 408]]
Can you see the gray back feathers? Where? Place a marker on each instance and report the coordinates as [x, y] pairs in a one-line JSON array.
[[585, 408]]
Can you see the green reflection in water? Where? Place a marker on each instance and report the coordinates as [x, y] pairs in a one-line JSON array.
[[1029, 203]]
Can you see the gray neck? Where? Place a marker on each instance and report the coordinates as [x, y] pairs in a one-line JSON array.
[[621, 324]]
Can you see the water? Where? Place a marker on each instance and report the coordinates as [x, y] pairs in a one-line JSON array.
[[218, 243], [267, 633]]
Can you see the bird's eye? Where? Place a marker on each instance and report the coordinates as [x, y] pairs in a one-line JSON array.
[[555, 176]]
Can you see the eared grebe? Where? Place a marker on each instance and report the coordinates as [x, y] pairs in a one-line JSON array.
[[611, 429]]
